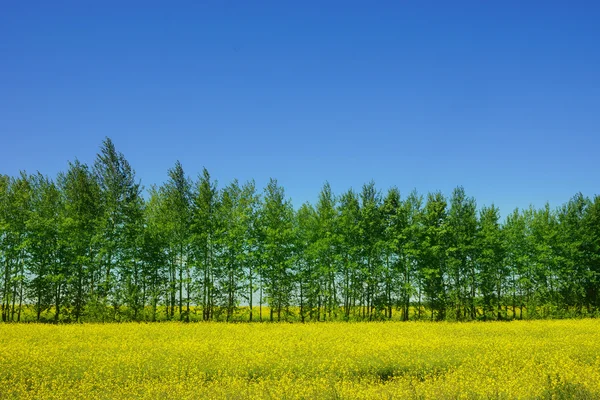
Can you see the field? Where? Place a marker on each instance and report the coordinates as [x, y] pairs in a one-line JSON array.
[[528, 359]]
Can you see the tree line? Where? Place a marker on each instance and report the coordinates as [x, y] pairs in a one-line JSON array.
[[89, 246]]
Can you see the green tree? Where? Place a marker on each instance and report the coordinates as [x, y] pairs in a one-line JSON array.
[[544, 237], [571, 253], [47, 271], [82, 212], [305, 260], [4, 242], [177, 207], [276, 220], [325, 248], [371, 235], [591, 251], [349, 250], [17, 213], [462, 229], [121, 203], [155, 255], [248, 232], [433, 254], [517, 260], [413, 233], [492, 268], [204, 225], [131, 280], [395, 217], [237, 209]]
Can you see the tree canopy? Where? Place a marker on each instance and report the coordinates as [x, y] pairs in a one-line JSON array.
[[88, 245]]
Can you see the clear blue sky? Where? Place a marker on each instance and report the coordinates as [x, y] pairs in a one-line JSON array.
[[499, 97]]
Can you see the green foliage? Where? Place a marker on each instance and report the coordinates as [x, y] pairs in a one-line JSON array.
[[492, 268], [276, 222], [88, 246]]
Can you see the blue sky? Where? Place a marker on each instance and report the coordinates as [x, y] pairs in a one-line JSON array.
[[499, 97]]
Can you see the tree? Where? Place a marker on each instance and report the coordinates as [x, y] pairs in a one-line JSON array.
[[591, 252], [248, 225], [433, 269], [395, 217], [571, 253], [305, 261], [349, 250], [204, 225], [155, 254], [276, 221], [517, 259], [131, 279], [492, 268], [87, 246], [325, 247], [4, 243], [48, 271], [413, 248], [462, 229], [177, 195], [81, 216], [543, 237], [236, 242], [121, 205], [371, 234], [17, 213]]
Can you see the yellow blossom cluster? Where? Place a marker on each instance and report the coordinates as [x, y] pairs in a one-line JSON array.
[[505, 360]]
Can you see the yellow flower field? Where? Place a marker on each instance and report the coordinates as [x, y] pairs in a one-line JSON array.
[[529, 359]]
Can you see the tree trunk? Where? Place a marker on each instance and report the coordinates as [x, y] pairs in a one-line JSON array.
[[250, 290], [301, 303], [57, 304], [180, 287], [20, 302]]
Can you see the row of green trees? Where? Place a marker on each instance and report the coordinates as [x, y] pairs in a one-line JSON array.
[[88, 246]]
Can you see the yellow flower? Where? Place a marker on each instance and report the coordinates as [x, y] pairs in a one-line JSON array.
[[521, 359]]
